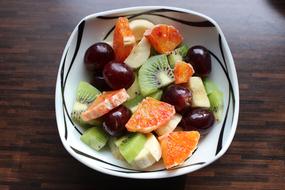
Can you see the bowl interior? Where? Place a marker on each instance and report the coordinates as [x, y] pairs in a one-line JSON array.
[[196, 30]]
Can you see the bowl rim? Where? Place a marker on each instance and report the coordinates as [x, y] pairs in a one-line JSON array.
[[163, 174]]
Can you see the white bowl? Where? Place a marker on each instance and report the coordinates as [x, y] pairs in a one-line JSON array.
[[197, 29]]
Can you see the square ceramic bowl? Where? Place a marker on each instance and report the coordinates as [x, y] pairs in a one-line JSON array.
[[197, 29]]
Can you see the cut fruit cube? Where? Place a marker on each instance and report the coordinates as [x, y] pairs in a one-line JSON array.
[[170, 126], [105, 103], [210, 86], [131, 145], [95, 137], [123, 40], [150, 115], [199, 95], [114, 147], [178, 146], [139, 26], [139, 54], [150, 153], [182, 72], [164, 38]]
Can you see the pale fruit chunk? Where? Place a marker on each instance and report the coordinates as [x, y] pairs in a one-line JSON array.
[[150, 154], [139, 54], [199, 94], [170, 126], [139, 26]]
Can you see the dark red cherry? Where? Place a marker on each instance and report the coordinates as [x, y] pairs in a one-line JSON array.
[[118, 75], [115, 120], [98, 55]]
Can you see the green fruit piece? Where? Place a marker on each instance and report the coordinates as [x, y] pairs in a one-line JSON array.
[[114, 148], [132, 145], [95, 137], [156, 95], [217, 104], [177, 55], [133, 103], [134, 90], [154, 74], [210, 86], [86, 93]]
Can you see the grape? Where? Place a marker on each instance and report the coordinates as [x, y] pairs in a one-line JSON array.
[[99, 82], [115, 120], [197, 119], [118, 75], [98, 55], [179, 96], [200, 58]]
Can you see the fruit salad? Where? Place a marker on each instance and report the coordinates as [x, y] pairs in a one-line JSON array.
[[150, 96]]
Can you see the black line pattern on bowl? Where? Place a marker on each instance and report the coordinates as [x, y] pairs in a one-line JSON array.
[[62, 94], [231, 95], [128, 169], [152, 12], [63, 82]]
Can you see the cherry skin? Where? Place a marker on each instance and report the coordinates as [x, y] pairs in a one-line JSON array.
[[118, 75]]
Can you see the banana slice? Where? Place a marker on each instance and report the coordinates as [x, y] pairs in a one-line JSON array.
[[139, 54], [139, 26], [170, 126], [200, 98], [150, 154]]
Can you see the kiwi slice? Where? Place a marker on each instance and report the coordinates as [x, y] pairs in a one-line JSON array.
[[131, 145], [134, 90], [95, 137], [156, 95], [216, 98], [114, 147], [154, 74], [177, 55], [85, 94], [210, 86]]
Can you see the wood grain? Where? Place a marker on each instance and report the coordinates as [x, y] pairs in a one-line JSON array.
[[32, 37]]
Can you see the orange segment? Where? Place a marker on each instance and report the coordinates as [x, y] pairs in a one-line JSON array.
[[105, 103], [182, 72], [150, 115], [164, 38], [178, 146], [124, 40]]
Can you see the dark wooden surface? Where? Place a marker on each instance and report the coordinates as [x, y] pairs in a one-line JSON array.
[[32, 37]]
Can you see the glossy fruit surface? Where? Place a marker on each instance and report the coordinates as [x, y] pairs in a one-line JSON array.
[[182, 72], [118, 75], [104, 103], [197, 119], [200, 58], [115, 120], [123, 39], [164, 38], [98, 55], [150, 115], [178, 146], [178, 96]]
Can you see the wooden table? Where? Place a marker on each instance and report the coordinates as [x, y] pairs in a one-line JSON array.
[[32, 37]]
